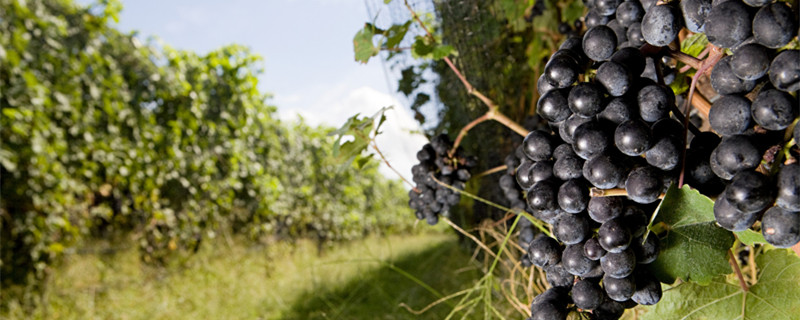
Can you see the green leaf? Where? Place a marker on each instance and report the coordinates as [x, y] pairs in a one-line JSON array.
[[695, 44], [362, 130], [442, 51], [573, 11], [693, 248], [363, 46], [750, 237], [396, 33], [776, 295]]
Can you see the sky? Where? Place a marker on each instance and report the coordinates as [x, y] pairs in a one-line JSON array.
[[308, 58]]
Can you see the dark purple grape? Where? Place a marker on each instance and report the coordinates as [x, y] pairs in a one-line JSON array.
[[553, 106], [734, 154], [587, 295], [635, 220], [602, 209], [557, 276], [619, 31], [541, 171], [781, 228], [561, 71], [614, 236], [665, 153], [730, 115], [648, 289], [614, 77], [724, 81], [750, 61], [571, 228], [574, 262], [774, 109], [694, 14], [599, 42], [544, 251], [634, 35], [789, 186], [590, 139], [629, 12], [660, 25], [573, 196], [594, 18], [644, 185], [567, 128], [631, 58], [538, 145], [750, 191], [633, 137], [619, 289], [774, 25], [592, 249], [646, 250], [568, 167], [586, 99], [524, 179], [619, 264], [655, 102], [728, 24], [542, 197], [618, 110], [730, 218], [784, 71]]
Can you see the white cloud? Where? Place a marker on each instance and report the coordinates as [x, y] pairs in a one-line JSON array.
[[398, 142]]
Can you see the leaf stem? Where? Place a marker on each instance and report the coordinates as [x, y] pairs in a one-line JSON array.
[[374, 146], [597, 192], [735, 265]]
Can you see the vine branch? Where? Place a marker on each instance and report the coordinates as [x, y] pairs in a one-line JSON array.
[[735, 265]]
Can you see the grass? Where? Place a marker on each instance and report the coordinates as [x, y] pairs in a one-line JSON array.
[[358, 280]]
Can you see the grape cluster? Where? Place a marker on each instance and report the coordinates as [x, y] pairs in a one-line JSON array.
[[429, 198], [611, 115]]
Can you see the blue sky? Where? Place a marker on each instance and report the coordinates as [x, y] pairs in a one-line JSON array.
[[308, 57]]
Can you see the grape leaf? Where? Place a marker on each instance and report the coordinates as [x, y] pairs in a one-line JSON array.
[[693, 247], [750, 237], [695, 44], [776, 295], [363, 46], [354, 136]]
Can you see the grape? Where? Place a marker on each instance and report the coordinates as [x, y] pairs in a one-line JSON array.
[[574, 262], [556, 296], [592, 249], [619, 31], [646, 250], [796, 133], [655, 102], [567, 128], [634, 35], [563, 150], [784, 71], [635, 220], [749, 191], [781, 228], [789, 186], [538, 145], [730, 218], [524, 178], [547, 311], [734, 154], [542, 197], [750, 61], [571, 228], [585, 99], [665, 153], [609, 310], [619, 289], [730, 115], [599, 43], [631, 58], [618, 110], [543, 86], [643, 185], [614, 77], [724, 81], [694, 14], [564, 28], [648, 289], [557, 276], [618, 264], [648, 4], [587, 295], [614, 236], [728, 24], [602, 209], [757, 3], [774, 25], [552, 106], [561, 71], [629, 12], [633, 137], [573, 196], [774, 109], [603, 171], [541, 171], [568, 167], [590, 139], [544, 251], [660, 25], [594, 18]]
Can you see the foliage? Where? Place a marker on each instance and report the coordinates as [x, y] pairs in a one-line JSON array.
[[776, 294], [693, 248], [103, 136]]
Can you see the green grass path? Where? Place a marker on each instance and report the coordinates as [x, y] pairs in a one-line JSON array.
[[355, 280]]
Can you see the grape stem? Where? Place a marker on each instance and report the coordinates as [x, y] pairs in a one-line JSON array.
[[714, 55], [597, 192], [374, 146], [492, 170], [735, 265], [491, 114]]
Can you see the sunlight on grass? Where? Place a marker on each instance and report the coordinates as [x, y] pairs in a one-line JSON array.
[[284, 281]]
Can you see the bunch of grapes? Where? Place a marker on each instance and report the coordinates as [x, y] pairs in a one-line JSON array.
[[430, 198], [615, 124]]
